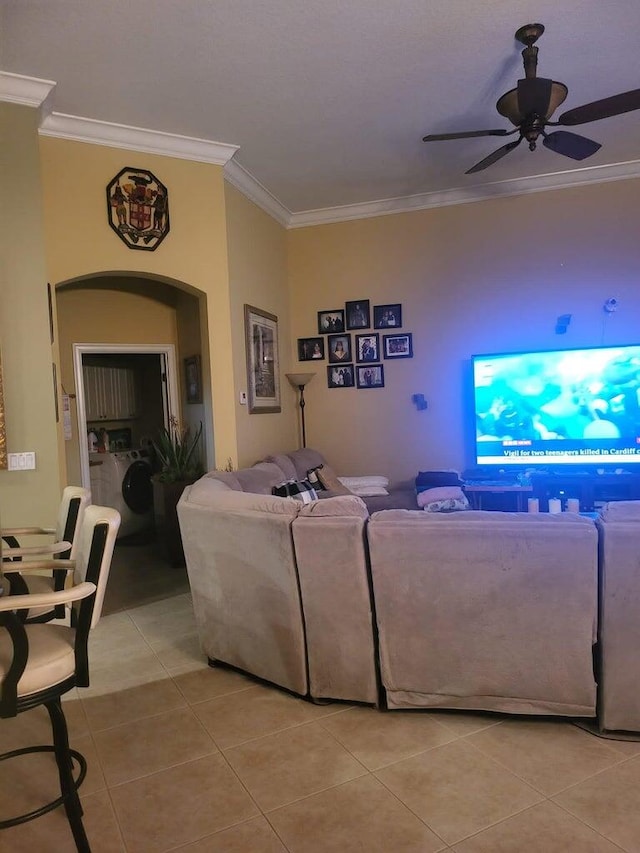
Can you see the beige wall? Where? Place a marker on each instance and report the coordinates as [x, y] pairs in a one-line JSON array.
[[80, 243], [258, 276], [27, 497], [485, 277]]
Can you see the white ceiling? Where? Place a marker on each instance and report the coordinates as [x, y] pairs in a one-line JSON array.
[[328, 100]]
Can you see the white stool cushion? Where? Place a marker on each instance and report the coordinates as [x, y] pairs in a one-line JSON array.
[[51, 657]]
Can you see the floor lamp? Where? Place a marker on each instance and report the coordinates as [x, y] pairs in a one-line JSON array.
[[299, 380]]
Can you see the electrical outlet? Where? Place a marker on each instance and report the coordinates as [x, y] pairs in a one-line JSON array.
[[243, 398]]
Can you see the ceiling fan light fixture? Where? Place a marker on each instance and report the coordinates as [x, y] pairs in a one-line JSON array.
[[509, 107]]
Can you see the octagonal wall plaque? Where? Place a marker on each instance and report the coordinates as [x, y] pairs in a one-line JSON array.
[[138, 208]]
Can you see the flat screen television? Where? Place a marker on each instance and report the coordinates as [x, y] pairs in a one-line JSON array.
[[558, 407]]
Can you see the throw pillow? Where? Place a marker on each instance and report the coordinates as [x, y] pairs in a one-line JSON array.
[[440, 493], [329, 481], [301, 490]]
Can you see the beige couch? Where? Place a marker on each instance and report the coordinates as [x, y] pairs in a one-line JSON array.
[[486, 610], [478, 610], [280, 589], [619, 623]]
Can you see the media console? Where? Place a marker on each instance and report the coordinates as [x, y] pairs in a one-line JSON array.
[[507, 491]]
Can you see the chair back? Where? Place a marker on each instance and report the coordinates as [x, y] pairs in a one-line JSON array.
[[72, 507], [96, 540]]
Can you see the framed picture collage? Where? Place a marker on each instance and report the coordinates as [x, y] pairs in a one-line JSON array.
[[354, 340]]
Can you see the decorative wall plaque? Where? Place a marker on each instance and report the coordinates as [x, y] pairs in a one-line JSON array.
[[138, 205]]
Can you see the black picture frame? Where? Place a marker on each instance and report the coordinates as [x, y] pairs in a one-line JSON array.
[[310, 349], [358, 314], [370, 376], [193, 379], [330, 322], [387, 316], [367, 347], [398, 346], [340, 376], [339, 348]]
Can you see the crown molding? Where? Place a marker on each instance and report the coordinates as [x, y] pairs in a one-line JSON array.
[[244, 181], [38, 93], [466, 195], [27, 91], [113, 135]]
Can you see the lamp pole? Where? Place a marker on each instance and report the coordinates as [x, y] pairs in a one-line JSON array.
[[299, 380]]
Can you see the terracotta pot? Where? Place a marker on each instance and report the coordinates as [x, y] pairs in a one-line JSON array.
[[165, 501]]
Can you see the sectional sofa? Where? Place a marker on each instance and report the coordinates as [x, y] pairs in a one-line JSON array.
[[406, 609]]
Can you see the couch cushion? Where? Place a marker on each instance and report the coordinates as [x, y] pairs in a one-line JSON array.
[[284, 464], [621, 511], [330, 482], [304, 460], [260, 478], [340, 505], [227, 478], [203, 494]]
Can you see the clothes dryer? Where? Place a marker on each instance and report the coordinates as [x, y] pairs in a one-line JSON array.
[[123, 481]]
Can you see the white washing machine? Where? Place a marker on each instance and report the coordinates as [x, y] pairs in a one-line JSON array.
[[122, 480]]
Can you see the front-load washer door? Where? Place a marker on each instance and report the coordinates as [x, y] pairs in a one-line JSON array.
[[137, 489]]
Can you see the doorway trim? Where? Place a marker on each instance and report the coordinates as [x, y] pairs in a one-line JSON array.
[[172, 408]]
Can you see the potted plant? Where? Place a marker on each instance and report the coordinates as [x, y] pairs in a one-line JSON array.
[[178, 453]]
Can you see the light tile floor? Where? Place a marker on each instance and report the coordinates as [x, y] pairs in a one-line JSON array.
[[188, 758]]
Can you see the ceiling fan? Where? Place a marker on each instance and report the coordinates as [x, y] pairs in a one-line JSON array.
[[532, 103]]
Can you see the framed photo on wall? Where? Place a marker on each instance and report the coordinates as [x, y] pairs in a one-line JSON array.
[[340, 376], [310, 349], [368, 347], [387, 316], [263, 361], [398, 346], [358, 314], [330, 321], [371, 376], [3, 435], [339, 349], [193, 379]]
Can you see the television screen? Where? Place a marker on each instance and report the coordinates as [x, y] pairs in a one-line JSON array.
[[559, 407]]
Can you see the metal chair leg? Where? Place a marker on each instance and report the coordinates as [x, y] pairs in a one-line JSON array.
[[68, 786]]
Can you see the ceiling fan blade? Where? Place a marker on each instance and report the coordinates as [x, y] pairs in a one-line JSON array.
[[570, 144], [534, 95], [493, 158], [465, 134], [614, 106]]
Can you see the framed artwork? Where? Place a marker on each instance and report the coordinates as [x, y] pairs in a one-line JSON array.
[[368, 347], [310, 349], [193, 379], [340, 376], [263, 362], [358, 314], [371, 376], [339, 348], [50, 303], [387, 316], [54, 373], [3, 435], [330, 321], [398, 346]]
